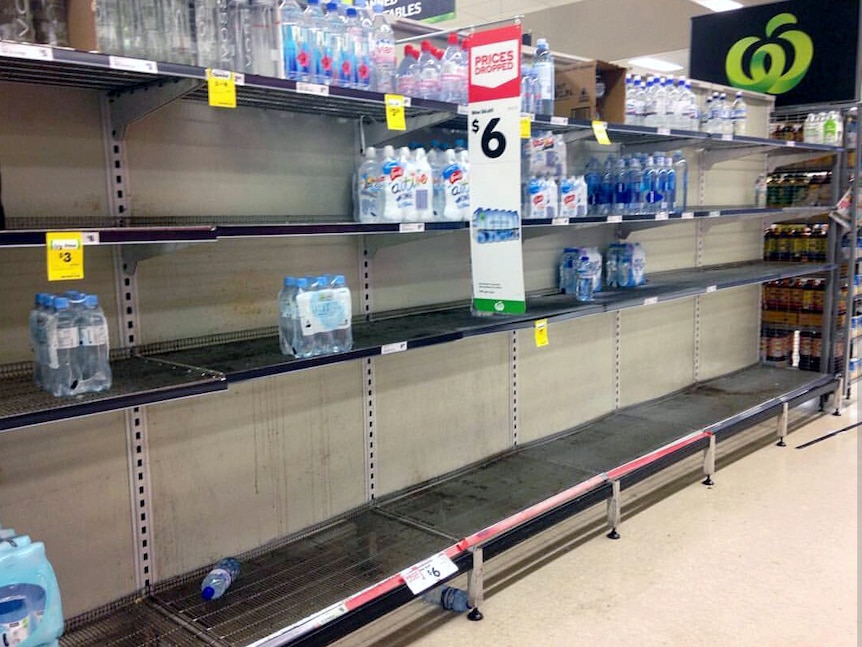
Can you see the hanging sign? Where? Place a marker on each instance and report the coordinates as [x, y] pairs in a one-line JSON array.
[[427, 10], [494, 125], [802, 52], [221, 88], [65, 255]]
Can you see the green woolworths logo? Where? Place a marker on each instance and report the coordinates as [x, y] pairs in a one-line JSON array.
[[767, 67]]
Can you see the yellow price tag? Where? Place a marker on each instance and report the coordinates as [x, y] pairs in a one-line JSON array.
[[65, 253], [600, 130], [540, 332], [395, 119], [221, 88], [526, 127]]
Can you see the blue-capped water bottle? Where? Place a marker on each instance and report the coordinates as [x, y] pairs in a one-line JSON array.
[[448, 597], [219, 579], [585, 279]]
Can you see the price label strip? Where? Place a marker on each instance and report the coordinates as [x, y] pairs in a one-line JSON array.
[[221, 88], [411, 227], [397, 347], [427, 573], [600, 130], [32, 52], [65, 255], [395, 118], [540, 332]]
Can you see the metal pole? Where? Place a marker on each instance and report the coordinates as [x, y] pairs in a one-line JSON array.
[[782, 425], [709, 461], [476, 584], [614, 515]]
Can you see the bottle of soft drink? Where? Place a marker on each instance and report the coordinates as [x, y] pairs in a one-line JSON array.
[[219, 579], [286, 314], [448, 597], [429, 73], [94, 351], [585, 275], [342, 334], [452, 68], [383, 52], [543, 66], [63, 345], [407, 81]]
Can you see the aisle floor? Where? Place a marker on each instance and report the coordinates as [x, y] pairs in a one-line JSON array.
[[766, 557]]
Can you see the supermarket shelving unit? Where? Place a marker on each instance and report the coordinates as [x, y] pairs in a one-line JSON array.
[[338, 566]]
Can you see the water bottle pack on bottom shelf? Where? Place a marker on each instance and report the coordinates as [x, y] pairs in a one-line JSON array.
[[31, 613], [70, 342], [315, 316], [625, 265], [412, 186], [578, 264]]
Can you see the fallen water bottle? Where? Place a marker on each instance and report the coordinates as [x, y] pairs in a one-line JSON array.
[[219, 579], [449, 598]]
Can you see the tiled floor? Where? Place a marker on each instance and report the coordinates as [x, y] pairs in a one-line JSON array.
[[767, 557]]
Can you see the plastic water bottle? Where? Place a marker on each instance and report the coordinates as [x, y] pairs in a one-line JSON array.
[[16, 22], [94, 351], [391, 184], [593, 179], [452, 69], [652, 196], [259, 53], [660, 92], [448, 597], [383, 52], [635, 187], [294, 45], [464, 192], [49, 21], [424, 185], [37, 321], [668, 185], [429, 73], [286, 314], [706, 122], [322, 310], [585, 279], [63, 345], [543, 66], [407, 77], [406, 188], [333, 45], [692, 109], [303, 324], [342, 334], [606, 188], [621, 188], [808, 128], [310, 69], [680, 167], [219, 579], [109, 37], [369, 184]]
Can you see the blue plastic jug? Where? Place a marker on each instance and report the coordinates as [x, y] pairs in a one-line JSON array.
[[31, 614]]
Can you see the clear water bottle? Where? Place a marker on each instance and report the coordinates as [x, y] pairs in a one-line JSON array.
[[322, 306], [660, 101], [543, 66], [568, 275], [808, 128], [692, 109], [621, 188], [528, 99], [219, 579], [383, 52], [640, 101], [706, 122], [49, 20], [369, 184], [593, 179], [16, 21], [680, 167], [63, 345], [286, 315], [316, 42], [606, 188], [448, 597], [37, 324], [423, 184], [334, 46], [304, 327], [635, 182], [652, 195], [342, 333], [357, 45], [406, 188], [407, 81], [94, 351], [109, 34], [429, 73], [452, 72], [256, 37], [294, 40], [144, 28], [585, 274]]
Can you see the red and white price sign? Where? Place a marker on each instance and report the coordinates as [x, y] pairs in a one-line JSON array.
[[428, 572], [494, 131]]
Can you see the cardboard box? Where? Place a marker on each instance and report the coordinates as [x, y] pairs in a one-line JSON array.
[[81, 18], [780, 317], [575, 91]]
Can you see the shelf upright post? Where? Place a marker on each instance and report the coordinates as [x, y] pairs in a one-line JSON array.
[[782, 424], [137, 444], [476, 584], [614, 513], [368, 383], [709, 461], [513, 387]]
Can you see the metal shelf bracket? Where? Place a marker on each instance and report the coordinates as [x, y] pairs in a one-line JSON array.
[[717, 156], [134, 254], [130, 106]]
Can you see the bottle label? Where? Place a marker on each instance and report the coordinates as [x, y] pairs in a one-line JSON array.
[[384, 51], [67, 338], [324, 311], [223, 574], [94, 336]]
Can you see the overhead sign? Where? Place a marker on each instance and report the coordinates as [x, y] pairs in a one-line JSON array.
[[800, 51], [494, 125], [427, 10]]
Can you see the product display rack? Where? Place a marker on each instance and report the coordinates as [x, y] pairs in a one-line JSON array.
[[351, 561]]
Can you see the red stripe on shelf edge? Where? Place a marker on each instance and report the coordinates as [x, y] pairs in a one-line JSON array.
[[646, 459], [530, 513]]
